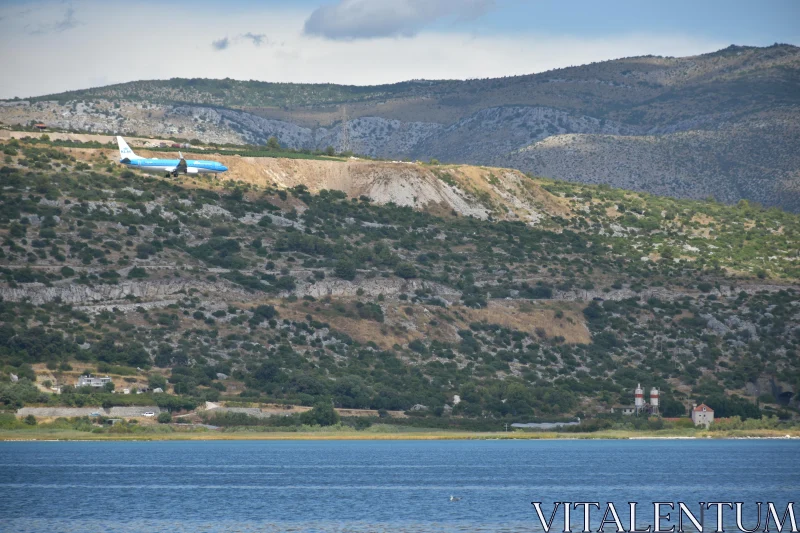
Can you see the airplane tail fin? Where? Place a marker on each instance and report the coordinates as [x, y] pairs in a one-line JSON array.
[[125, 151]]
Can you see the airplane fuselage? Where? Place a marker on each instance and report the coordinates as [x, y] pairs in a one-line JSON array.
[[161, 166]]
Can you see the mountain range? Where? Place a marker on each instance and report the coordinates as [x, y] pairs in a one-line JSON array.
[[722, 125]]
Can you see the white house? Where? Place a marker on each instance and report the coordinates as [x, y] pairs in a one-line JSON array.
[[91, 381], [702, 415]]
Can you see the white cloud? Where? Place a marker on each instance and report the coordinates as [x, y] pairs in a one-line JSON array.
[[128, 50], [362, 19]]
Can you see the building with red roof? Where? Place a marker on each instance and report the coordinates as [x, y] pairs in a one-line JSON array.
[[702, 415]]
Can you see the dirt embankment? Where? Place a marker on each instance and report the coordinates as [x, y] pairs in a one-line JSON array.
[[447, 189], [443, 189]]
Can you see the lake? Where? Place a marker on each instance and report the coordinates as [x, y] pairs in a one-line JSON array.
[[354, 486]]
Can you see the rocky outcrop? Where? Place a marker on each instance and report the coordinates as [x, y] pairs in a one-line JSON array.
[[372, 287], [154, 294], [661, 293], [38, 294]]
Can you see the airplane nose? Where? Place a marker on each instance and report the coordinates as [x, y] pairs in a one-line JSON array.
[[224, 168]]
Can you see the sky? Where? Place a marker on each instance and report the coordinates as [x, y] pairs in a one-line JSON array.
[[50, 46]]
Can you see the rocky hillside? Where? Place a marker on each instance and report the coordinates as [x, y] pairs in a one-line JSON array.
[[722, 124], [450, 292]]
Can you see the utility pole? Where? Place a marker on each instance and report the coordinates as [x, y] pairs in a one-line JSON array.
[[506, 427]]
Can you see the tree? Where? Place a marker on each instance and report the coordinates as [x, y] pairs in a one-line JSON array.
[[406, 271], [330, 151], [109, 387], [672, 408], [137, 273], [262, 313], [30, 420], [268, 372], [322, 414], [164, 417], [157, 381], [345, 269], [273, 143]]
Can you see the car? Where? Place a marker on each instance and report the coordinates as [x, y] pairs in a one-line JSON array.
[[94, 414], [149, 413]]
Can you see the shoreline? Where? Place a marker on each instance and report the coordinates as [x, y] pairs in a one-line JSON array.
[[75, 436]]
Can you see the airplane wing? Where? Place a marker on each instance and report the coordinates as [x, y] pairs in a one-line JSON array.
[[181, 165]]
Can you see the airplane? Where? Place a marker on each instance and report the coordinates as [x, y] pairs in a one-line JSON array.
[[168, 166]]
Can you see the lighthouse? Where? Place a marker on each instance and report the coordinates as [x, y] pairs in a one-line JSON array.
[[639, 398], [654, 401]]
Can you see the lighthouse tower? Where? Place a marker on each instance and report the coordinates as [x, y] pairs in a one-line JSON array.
[[638, 401], [654, 401]]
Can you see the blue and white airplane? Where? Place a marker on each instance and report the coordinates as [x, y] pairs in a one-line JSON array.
[[167, 166]]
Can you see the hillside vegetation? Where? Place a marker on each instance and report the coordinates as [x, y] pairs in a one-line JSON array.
[[723, 124], [252, 290]]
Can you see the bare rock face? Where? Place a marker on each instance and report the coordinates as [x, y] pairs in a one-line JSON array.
[[371, 288], [38, 294], [468, 191], [714, 325]]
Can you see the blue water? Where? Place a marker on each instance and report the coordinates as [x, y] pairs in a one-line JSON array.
[[369, 485]]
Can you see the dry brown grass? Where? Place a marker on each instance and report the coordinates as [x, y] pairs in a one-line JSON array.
[[703, 219], [405, 321], [530, 319], [384, 335]]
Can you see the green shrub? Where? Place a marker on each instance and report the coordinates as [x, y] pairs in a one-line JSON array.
[[137, 273], [345, 269], [323, 414], [406, 271]]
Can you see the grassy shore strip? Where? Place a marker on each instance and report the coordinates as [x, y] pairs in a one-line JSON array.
[[35, 435]]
